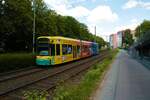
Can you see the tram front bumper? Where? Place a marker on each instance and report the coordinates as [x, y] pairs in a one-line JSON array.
[[43, 62]]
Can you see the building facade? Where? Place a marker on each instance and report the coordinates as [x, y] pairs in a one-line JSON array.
[[113, 41], [119, 38]]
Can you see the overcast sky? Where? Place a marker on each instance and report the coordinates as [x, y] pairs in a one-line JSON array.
[[109, 16]]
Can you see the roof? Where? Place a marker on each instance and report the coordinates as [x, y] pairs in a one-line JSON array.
[[63, 38], [58, 37]]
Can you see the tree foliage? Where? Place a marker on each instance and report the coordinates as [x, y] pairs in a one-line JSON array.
[[142, 28], [16, 20], [16, 24], [128, 38]]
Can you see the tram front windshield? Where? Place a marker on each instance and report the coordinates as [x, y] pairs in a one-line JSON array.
[[43, 51], [46, 50]]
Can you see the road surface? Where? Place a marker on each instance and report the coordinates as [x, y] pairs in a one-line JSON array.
[[126, 80]]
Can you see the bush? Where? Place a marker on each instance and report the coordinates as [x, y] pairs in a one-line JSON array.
[[15, 61]]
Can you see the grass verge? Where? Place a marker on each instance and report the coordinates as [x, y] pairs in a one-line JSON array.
[[9, 62], [88, 84]]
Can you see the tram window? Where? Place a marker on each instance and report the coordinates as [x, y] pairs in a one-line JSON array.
[[52, 49], [64, 49], [69, 49], [84, 48], [58, 49], [78, 49]]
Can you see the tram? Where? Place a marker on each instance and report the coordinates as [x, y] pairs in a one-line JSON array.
[[53, 50]]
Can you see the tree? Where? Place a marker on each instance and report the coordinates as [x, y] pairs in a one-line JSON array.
[[128, 38], [142, 28], [16, 24]]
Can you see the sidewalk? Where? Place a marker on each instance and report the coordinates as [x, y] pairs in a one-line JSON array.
[[126, 80]]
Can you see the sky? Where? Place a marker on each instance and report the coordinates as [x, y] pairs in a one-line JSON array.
[[109, 16]]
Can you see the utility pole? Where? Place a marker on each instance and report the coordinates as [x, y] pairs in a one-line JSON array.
[[33, 40], [95, 33]]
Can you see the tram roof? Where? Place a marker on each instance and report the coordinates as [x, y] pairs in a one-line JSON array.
[[63, 38]]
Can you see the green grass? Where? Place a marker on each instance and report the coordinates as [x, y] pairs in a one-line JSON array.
[[9, 62], [87, 85], [35, 95]]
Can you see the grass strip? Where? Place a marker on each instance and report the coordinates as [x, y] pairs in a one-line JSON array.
[[88, 84]]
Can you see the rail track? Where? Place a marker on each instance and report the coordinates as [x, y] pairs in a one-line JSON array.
[[12, 86]]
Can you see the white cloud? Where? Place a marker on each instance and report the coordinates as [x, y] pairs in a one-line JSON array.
[[133, 24], [130, 4], [93, 0], [54, 3], [92, 17], [78, 11], [134, 20], [136, 3], [60, 6], [102, 13], [145, 5], [65, 7]]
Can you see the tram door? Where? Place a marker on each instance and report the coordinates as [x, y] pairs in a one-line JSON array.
[[74, 52]]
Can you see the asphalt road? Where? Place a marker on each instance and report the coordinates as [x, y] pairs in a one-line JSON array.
[[126, 80]]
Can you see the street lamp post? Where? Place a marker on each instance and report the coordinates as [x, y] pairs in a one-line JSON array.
[[33, 40], [95, 33]]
